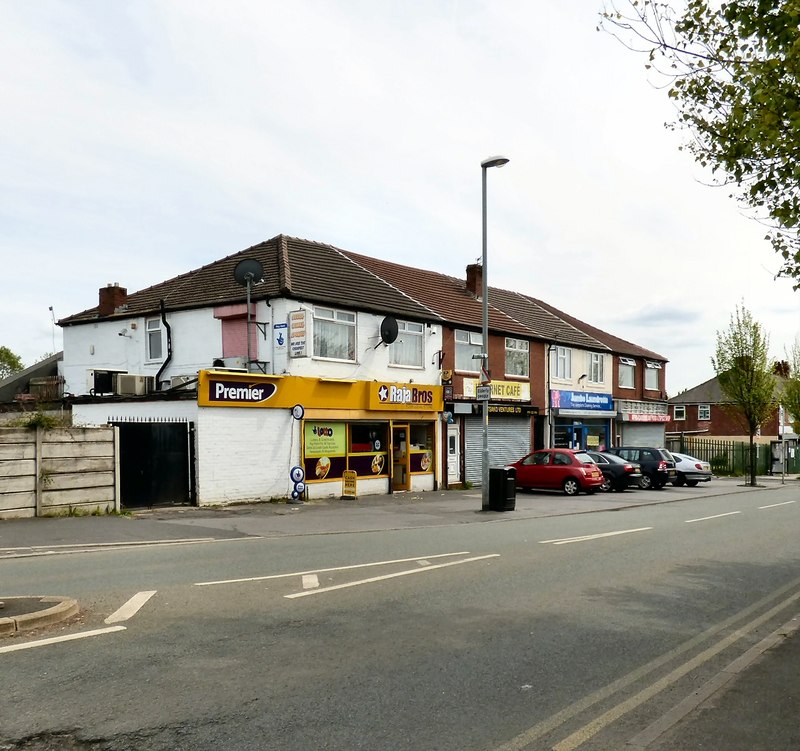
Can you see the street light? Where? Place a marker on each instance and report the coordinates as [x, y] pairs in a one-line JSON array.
[[492, 161]]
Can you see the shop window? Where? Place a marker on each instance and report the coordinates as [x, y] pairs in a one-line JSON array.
[[679, 412], [408, 348], [703, 411], [596, 368], [155, 347], [365, 437], [627, 370], [334, 334], [561, 362], [468, 343], [420, 458], [651, 375], [517, 357]]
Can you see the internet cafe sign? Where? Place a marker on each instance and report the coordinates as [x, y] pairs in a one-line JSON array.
[[501, 390]]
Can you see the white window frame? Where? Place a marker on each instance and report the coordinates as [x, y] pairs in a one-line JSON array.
[[518, 357], [561, 363], [651, 369], [154, 333], [596, 367], [408, 350], [627, 366], [678, 412], [337, 322], [468, 343], [704, 409]]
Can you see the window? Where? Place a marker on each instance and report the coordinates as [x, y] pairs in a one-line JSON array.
[[561, 362], [627, 368], [155, 348], [703, 411], [651, 375], [517, 357], [407, 349], [596, 374], [679, 412], [334, 334], [468, 343]]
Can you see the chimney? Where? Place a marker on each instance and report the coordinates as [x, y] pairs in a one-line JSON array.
[[112, 296], [475, 279]]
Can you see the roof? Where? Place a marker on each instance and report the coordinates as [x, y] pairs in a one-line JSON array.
[[710, 392]]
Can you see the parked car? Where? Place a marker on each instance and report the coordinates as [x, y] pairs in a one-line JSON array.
[[658, 466], [691, 470], [618, 473], [554, 469]]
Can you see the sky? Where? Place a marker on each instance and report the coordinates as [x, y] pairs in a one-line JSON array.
[[145, 138]]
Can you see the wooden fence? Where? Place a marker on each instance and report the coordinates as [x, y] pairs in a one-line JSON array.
[[58, 471], [733, 457]]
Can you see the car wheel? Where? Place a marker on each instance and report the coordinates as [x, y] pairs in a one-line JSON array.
[[606, 486], [571, 486], [646, 482], [692, 483]]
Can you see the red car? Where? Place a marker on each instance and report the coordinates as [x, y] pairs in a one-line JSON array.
[[558, 469]]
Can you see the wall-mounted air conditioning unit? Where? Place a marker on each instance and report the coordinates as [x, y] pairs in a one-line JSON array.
[[134, 385], [183, 382]]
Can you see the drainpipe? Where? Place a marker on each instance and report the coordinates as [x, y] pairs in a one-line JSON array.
[[169, 344]]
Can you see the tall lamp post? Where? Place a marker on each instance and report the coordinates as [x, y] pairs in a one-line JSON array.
[[492, 161]]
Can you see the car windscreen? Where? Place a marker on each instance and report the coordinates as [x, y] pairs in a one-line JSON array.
[[583, 457]]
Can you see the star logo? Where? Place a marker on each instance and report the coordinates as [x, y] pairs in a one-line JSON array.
[[383, 393]]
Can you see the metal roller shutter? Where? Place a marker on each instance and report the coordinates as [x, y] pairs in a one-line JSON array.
[[643, 434], [509, 440]]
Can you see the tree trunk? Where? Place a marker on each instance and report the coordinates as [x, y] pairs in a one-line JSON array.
[[752, 461]]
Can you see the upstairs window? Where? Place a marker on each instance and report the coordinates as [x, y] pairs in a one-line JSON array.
[[155, 346], [679, 412], [468, 343], [627, 371], [651, 369], [407, 349], [561, 362], [334, 334], [703, 411], [596, 368], [517, 357]]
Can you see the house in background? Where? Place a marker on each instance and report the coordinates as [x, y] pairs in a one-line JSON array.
[[35, 388], [340, 364]]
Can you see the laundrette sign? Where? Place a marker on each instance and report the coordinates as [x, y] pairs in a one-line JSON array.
[[581, 400]]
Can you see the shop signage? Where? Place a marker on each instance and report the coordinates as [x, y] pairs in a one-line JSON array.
[[483, 393], [280, 331], [238, 392], [500, 390], [409, 396], [325, 438], [298, 334], [349, 481], [513, 409], [634, 417], [583, 400]]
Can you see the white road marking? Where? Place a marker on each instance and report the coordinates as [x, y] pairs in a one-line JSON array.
[[584, 538], [324, 570], [130, 543], [706, 518], [310, 581], [130, 608], [372, 579], [57, 639], [773, 505], [423, 563]]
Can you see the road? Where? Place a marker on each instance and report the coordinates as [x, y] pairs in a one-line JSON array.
[[568, 632]]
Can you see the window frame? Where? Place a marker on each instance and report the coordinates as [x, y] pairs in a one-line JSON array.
[[706, 408], [513, 349], [627, 365], [471, 340], [650, 366], [407, 333], [346, 320], [561, 363], [153, 333], [596, 367], [675, 409]]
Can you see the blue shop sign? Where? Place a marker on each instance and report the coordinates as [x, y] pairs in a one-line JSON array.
[[586, 400]]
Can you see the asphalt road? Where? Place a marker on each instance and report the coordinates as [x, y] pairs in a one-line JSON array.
[[579, 631]]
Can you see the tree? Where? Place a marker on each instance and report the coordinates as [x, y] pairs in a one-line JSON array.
[[745, 374], [791, 389], [9, 363], [732, 69]]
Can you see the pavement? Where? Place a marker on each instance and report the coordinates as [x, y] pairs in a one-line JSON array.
[[752, 705]]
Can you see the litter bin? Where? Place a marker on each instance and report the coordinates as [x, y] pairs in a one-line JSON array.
[[502, 488]]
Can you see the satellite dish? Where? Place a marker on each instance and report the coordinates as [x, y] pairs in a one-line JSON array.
[[248, 271], [389, 330]]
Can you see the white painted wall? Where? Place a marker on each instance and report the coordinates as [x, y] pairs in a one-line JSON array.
[[86, 415], [197, 341]]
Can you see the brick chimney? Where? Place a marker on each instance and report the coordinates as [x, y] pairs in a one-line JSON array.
[[112, 296], [475, 279]]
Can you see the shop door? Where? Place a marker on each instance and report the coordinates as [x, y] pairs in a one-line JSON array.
[[453, 453], [400, 477]]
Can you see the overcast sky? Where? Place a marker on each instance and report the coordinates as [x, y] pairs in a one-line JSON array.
[[143, 138]]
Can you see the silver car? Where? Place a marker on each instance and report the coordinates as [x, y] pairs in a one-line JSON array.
[[691, 470]]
